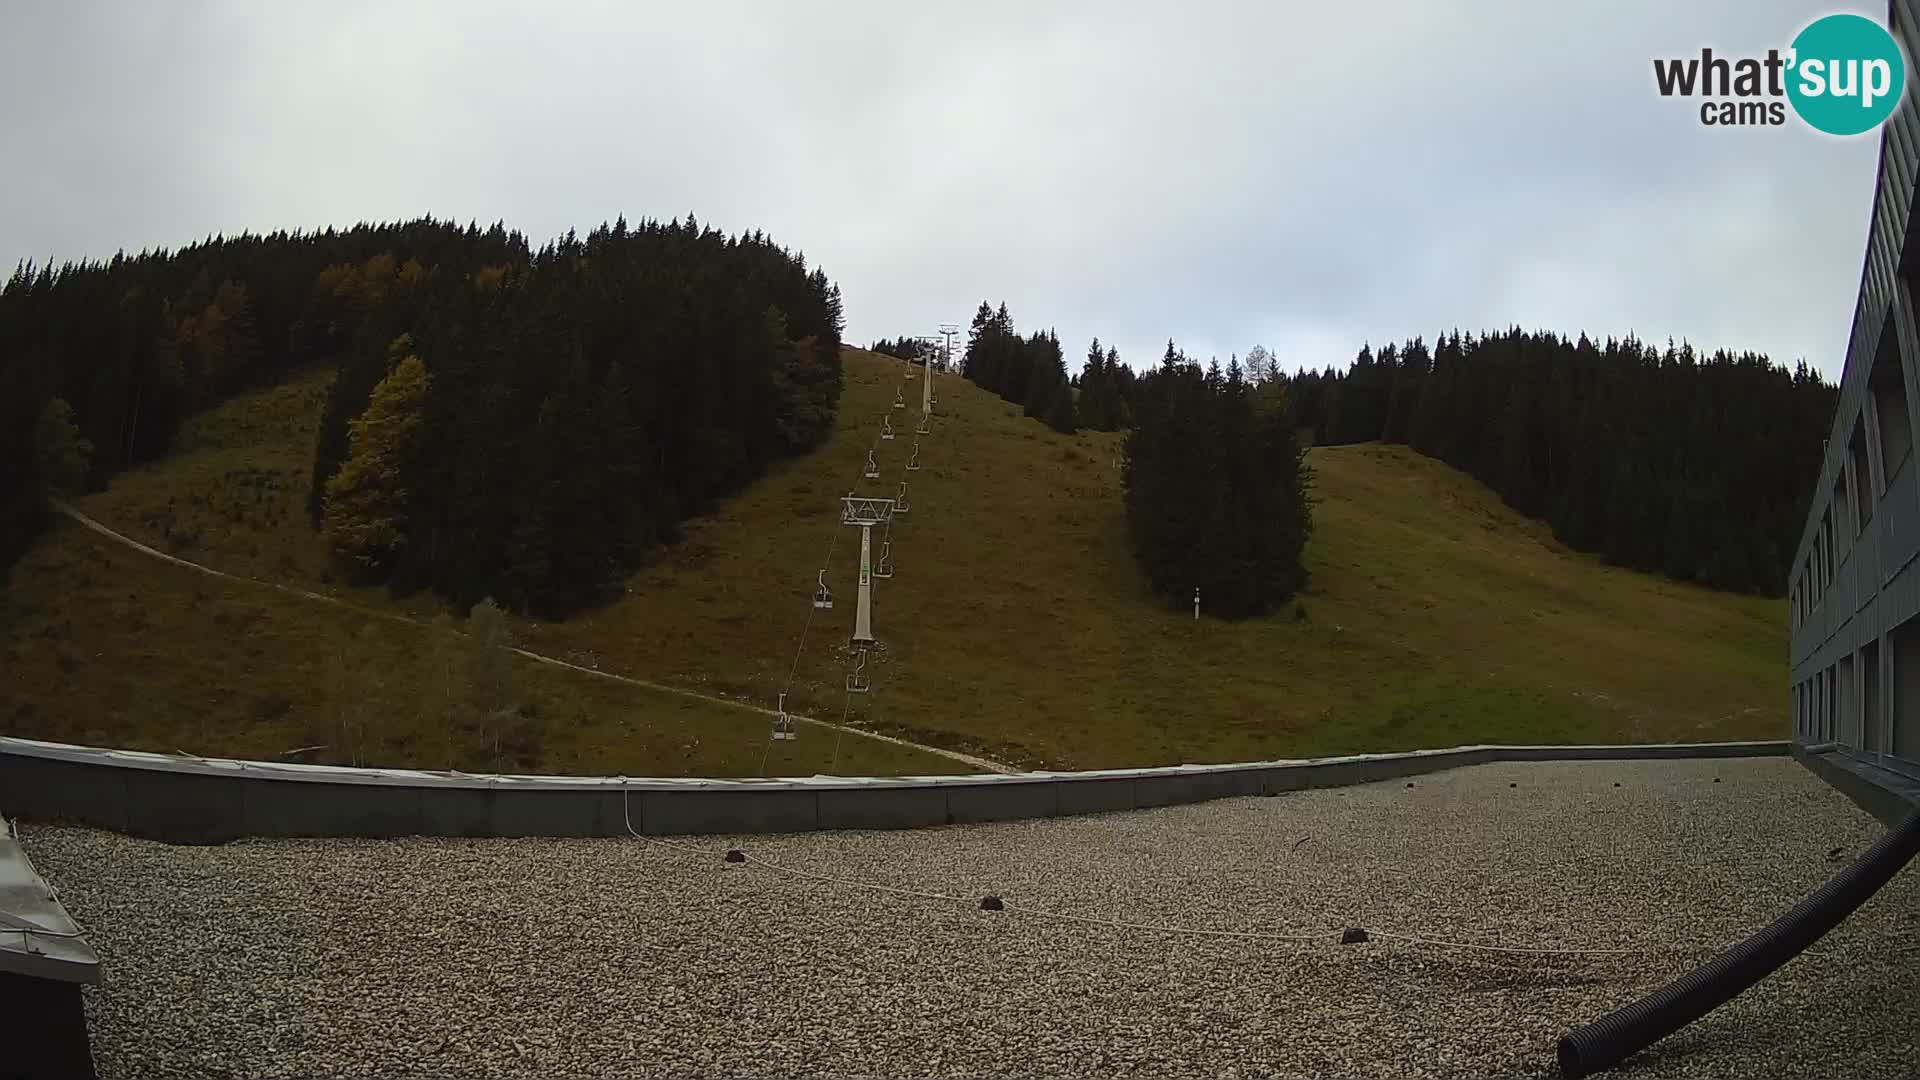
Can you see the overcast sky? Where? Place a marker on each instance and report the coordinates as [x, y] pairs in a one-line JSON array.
[[1303, 176]]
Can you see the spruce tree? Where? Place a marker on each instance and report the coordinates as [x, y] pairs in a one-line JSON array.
[[1061, 415]]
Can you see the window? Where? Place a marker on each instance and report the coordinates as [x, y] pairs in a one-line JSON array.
[[1826, 550], [1818, 560], [1862, 481], [1842, 513], [1825, 540], [1870, 697], [1846, 713], [1888, 384], [1820, 707], [1832, 730], [1904, 644]]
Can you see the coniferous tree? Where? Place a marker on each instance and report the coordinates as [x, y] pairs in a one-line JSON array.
[[1095, 401], [1409, 379], [1046, 374], [1061, 415]]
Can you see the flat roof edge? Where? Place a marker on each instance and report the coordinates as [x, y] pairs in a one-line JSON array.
[[386, 777]]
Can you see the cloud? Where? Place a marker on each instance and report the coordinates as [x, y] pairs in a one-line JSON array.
[[1308, 178]]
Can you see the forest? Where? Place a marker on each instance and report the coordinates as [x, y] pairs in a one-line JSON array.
[[503, 422], [911, 349], [1664, 460]]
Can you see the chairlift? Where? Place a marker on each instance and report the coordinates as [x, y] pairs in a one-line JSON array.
[[913, 459], [873, 467], [783, 723], [900, 501], [898, 401], [923, 429], [884, 568], [823, 596], [886, 427], [857, 682]]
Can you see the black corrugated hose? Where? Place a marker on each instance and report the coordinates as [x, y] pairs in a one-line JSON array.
[[1610, 1039]]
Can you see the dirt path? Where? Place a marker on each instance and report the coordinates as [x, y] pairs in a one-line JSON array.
[[979, 763]]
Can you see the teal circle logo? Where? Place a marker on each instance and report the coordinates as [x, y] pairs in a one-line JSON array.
[[1845, 74]]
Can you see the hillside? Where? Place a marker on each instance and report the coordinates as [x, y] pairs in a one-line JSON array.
[[1017, 624], [106, 646]]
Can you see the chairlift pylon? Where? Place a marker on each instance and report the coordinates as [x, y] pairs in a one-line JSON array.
[[857, 678], [886, 427], [783, 723], [823, 596], [873, 467]]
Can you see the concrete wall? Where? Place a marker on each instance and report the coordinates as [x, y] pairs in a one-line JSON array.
[[204, 801]]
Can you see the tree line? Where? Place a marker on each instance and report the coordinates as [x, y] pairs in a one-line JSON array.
[[1031, 372], [913, 350], [502, 422], [1027, 371], [1663, 460]]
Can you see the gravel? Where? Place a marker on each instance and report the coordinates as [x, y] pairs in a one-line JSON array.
[[622, 957]]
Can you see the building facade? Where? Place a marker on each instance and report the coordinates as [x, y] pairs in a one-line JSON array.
[[1855, 587]]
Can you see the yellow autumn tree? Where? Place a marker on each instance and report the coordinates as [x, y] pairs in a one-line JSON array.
[[365, 517]]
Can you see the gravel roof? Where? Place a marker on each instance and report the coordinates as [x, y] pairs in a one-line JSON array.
[[622, 957]]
